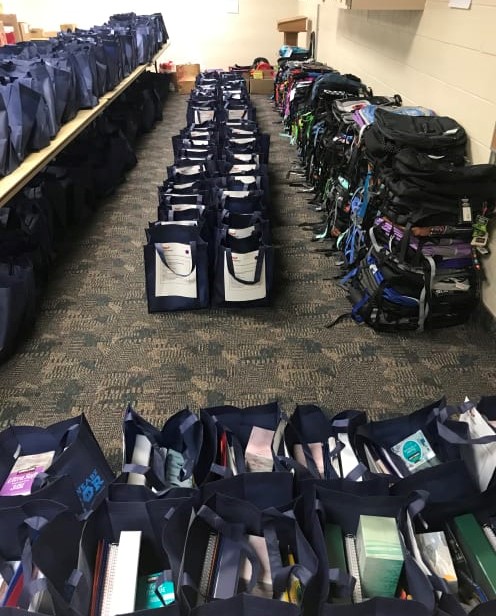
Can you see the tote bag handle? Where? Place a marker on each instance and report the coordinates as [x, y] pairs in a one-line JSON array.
[[161, 254], [258, 268]]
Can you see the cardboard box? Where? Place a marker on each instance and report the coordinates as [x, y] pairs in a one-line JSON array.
[[35, 33], [24, 28], [10, 19], [293, 24], [185, 86], [255, 74], [3, 38], [261, 86], [67, 27], [187, 72]]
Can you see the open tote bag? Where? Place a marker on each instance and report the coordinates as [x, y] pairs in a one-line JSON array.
[[226, 530], [70, 567], [161, 458]]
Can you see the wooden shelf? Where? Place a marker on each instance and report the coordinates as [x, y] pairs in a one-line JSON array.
[[11, 184]]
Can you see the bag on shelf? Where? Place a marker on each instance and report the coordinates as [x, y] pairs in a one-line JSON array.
[[28, 121]]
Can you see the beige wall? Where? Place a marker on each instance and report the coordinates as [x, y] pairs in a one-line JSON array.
[[441, 58], [200, 31]]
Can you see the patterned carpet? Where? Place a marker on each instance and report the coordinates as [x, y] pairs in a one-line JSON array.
[[95, 348]]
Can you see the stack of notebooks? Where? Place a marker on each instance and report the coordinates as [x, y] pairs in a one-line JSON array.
[[119, 587]]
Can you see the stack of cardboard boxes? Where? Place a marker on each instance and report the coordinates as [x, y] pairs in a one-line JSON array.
[[22, 31]]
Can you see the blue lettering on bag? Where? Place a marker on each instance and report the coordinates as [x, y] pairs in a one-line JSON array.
[[90, 487]]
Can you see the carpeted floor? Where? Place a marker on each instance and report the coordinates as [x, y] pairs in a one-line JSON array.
[[95, 348]]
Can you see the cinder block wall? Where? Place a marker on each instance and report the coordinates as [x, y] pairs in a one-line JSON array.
[[441, 58]]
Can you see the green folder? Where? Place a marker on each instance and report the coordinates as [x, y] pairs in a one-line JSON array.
[[334, 545], [336, 559], [478, 551]]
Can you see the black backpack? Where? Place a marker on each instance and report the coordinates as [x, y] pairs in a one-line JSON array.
[[391, 132]]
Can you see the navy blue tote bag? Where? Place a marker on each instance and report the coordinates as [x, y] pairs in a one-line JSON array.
[[69, 568], [228, 428], [77, 456], [379, 606], [247, 605], [17, 303], [232, 521], [176, 268], [174, 449], [390, 433], [243, 273]]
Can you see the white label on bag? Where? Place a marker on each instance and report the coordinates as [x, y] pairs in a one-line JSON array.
[[246, 158], [204, 115], [190, 170], [192, 197], [242, 168], [243, 140], [175, 282], [184, 186], [245, 179], [240, 194], [182, 207], [236, 114], [244, 268], [241, 233], [241, 131], [183, 223]]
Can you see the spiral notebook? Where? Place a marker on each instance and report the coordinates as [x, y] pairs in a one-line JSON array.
[[353, 569], [115, 575]]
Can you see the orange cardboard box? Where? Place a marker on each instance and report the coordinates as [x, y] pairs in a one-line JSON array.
[[187, 72], [185, 86]]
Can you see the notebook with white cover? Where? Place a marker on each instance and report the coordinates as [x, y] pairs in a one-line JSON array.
[[125, 573]]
